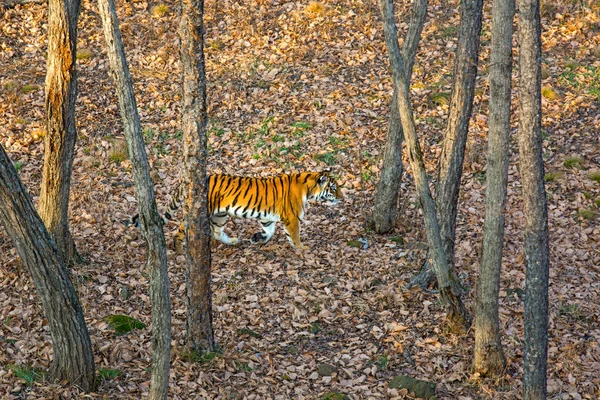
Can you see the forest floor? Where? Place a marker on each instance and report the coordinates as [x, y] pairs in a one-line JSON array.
[[303, 86]]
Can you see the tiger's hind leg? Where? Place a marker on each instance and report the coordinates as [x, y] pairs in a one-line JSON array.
[[268, 231], [217, 229]]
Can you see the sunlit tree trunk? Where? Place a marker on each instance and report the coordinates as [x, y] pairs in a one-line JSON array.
[[534, 201], [489, 358], [59, 144], [457, 313], [73, 357], [200, 336], [151, 221], [386, 198], [455, 138]]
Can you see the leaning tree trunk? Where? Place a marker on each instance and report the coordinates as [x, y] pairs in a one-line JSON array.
[[386, 198], [455, 139], [489, 358], [200, 335], [534, 201], [59, 143], [151, 221], [73, 357], [457, 313]]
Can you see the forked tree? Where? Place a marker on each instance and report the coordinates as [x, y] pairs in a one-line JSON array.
[[150, 220], [73, 358], [489, 358], [455, 138], [200, 335], [59, 143], [456, 313], [534, 200], [388, 189]]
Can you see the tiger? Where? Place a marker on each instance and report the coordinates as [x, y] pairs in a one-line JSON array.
[[277, 198]]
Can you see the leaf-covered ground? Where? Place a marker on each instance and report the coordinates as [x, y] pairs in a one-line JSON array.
[[302, 86]]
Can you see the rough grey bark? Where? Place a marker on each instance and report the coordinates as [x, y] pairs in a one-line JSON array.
[[455, 138], [457, 314], [73, 357], [534, 201], [200, 335], [151, 221], [489, 357], [59, 143], [386, 198]]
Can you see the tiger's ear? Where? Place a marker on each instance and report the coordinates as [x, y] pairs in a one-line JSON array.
[[322, 179]]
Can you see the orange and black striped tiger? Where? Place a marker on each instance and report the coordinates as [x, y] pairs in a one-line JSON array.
[[278, 198]]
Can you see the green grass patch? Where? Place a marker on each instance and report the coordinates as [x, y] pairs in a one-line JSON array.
[[242, 366], [335, 396], [201, 358], [250, 332], [586, 214], [118, 157], [29, 88], [108, 374], [597, 202], [572, 162], [328, 158], [440, 98], [553, 176], [123, 324], [84, 54], [594, 175], [29, 375], [19, 165]]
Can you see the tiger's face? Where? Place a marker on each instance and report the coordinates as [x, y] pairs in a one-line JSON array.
[[326, 189]]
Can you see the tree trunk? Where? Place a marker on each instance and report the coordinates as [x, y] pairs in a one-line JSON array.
[[455, 139], [59, 143], [73, 357], [489, 357], [457, 314], [151, 221], [534, 201], [200, 336], [386, 198]]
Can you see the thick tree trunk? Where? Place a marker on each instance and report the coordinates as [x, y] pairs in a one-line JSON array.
[[457, 314], [73, 357], [59, 144], [386, 198], [489, 358], [200, 336], [534, 201], [455, 139], [151, 221]]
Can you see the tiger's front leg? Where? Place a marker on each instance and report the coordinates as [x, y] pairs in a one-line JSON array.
[[292, 231]]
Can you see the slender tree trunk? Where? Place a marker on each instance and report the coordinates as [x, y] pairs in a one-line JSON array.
[[489, 357], [59, 143], [534, 201], [200, 336], [457, 313], [151, 221], [455, 139], [386, 198], [73, 357]]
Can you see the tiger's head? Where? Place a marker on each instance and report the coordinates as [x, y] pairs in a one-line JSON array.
[[325, 189]]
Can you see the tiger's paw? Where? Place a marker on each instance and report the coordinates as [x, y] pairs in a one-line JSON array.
[[258, 237], [301, 247]]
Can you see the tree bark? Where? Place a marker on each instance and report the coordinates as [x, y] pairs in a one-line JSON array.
[[457, 313], [73, 357], [151, 221], [534, 201], [386, 198], [59, 143], [200, 335], [489, 358], [455, 139]]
